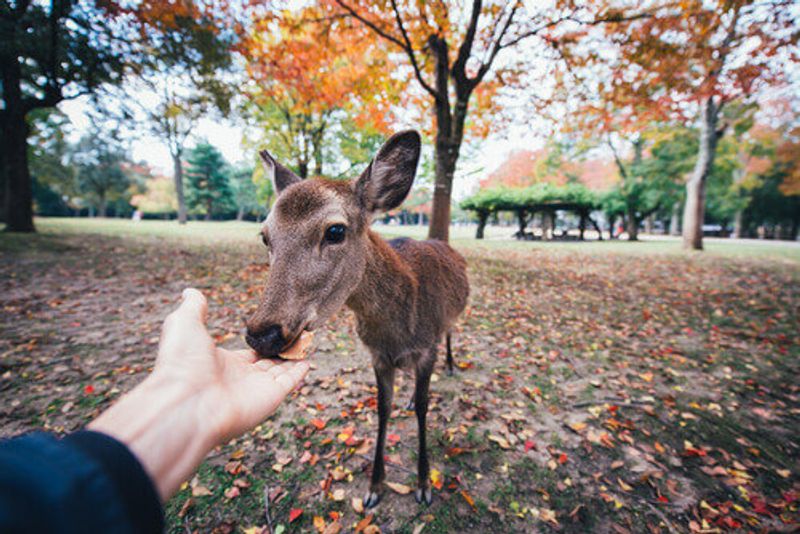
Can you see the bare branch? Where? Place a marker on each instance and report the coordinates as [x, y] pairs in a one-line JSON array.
[[464, 51], [371, 25], [410, 51], [484, 68]]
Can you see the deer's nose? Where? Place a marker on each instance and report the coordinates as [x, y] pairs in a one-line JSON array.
[[267, 342]]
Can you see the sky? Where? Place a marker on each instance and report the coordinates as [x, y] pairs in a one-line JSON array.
[[227, 137], [476, 161]]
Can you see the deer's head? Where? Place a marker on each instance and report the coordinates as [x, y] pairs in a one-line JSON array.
[[316, 238]]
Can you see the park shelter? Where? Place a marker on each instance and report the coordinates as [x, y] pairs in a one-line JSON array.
[[542, 198]]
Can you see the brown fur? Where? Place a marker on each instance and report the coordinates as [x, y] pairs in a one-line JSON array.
[[406, 294]]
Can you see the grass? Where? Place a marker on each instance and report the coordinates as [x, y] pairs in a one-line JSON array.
[[647, 347], [227, 233]]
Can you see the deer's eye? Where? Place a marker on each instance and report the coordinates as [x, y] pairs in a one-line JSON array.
[[335, 233]]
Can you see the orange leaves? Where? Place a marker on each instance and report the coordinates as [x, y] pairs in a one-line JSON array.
[[313, 67], [317, 423]]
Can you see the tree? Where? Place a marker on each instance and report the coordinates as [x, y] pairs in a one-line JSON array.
[[452, 54], [306, 86], [208, 181], [99, 170], [190, 52], [687, 61], [158, 196], [244, 192], [49, 52], [48, 150]]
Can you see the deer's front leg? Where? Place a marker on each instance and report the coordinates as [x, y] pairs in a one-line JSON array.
[[384, 375], [424, 370]]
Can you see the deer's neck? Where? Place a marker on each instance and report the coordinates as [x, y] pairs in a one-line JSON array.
[[387, 292]]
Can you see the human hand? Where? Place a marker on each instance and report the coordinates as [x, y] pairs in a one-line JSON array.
[[197, 396]]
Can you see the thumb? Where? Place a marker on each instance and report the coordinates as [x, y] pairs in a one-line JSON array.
[[190, 313], [195, 303]]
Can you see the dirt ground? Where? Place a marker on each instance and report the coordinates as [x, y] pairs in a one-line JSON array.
[[595, 391]]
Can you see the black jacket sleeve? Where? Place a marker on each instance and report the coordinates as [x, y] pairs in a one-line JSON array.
[[86, 482]]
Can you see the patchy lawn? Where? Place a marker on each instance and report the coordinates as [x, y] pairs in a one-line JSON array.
[[601, 387]]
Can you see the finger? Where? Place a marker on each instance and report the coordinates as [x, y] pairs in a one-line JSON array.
[[286, 376], [191, 313], [292, 377], [245, 355], [274, 368]]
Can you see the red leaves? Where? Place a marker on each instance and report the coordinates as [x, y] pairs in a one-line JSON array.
[[529, 445], [295, 513], [728, 522], [691, 451], [317, 423], [88, 389]]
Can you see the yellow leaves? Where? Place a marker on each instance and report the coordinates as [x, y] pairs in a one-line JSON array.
[[281, 462], [578, 426], [402, 489], [436, 479], [501, 441]]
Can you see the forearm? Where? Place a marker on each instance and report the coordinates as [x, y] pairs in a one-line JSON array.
[[157, 420]]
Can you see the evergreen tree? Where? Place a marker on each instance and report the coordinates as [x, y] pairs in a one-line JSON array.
[[208, 181], [245, 192]]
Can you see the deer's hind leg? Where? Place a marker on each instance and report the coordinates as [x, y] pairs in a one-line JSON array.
[[423, 370], [384, 375], [449, 355]]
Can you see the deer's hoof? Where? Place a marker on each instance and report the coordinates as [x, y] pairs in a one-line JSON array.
[[424, 495], [372, 499], [410, 406]]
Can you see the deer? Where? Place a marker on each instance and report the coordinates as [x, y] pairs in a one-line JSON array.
[[406, 295]]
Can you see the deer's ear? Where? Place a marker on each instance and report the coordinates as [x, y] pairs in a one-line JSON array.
[[386, 182], [280, 176]]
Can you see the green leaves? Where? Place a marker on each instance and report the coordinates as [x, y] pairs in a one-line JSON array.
[[502, 198]]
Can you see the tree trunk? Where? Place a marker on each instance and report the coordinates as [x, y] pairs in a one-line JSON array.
[[522, 222], [582, 225], [240, 214], [19, 191], [483, 216], [208, 209], [302, 169], [102, 211], [675, 221], [611, 220], [449, 134], [632, 225], [648, 224], [596, 227], [546, 229], [177, 176], [694, 209], [738, 219]]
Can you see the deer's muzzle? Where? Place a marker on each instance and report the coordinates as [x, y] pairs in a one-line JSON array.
[[267, 342]]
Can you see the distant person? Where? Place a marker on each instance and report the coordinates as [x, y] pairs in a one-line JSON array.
[[114, 476], [137, 215]]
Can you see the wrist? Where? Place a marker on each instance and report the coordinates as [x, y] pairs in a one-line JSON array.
[[159, 421]]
